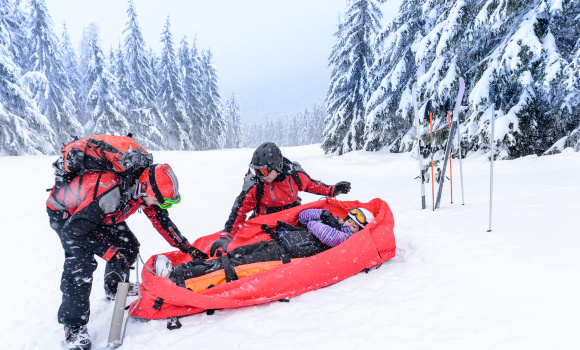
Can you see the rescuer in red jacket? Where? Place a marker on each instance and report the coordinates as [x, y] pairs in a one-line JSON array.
[[89, 216], [271, 185]]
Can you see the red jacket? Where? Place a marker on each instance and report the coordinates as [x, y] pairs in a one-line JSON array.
[[279, 195], [95, 199]]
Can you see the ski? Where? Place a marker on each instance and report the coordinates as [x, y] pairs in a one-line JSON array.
[[448, 108], [454, 124], [419, 155]]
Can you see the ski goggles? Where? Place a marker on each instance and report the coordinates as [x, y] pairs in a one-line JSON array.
[[358, 216], [168, 202], [260, 172]]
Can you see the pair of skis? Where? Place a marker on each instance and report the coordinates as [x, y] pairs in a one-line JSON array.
[[453, 129]]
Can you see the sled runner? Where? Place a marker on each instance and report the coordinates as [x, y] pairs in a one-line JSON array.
[[264, 282]]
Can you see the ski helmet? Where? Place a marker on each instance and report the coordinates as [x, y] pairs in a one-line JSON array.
[[267, 156], [159, 181], [361, 216]]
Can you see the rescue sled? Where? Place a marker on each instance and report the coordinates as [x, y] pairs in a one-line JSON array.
[[264, 282]]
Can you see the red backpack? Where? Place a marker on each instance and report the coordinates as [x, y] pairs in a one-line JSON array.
[[115, 154]]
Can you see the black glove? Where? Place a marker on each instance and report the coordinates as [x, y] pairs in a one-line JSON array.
[[196, 253], [221, 243], [329, 219], [341, 187]]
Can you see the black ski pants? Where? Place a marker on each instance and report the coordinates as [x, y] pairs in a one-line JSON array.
[[79, 265], [253, 253], [297, 244]]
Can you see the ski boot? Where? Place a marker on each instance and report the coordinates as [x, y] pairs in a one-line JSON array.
[[76, 338], [163, 266], [133, 292]]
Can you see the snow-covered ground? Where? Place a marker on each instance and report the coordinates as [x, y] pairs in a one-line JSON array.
[[452, 285]]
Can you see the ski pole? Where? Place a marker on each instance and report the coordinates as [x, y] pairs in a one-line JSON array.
[[450, 167], [431, 132], [461, 81], [495, 105]]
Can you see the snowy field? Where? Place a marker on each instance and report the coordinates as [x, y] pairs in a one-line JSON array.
[[452, 285]]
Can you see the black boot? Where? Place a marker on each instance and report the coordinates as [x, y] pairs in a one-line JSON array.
[[77, 338]]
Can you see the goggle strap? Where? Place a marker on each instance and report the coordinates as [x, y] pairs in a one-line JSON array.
[[153, 184]]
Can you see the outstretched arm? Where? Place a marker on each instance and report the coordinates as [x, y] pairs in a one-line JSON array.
[[163, 224], [325, 233]]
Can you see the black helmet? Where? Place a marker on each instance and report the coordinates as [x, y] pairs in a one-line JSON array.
[[267, 156]]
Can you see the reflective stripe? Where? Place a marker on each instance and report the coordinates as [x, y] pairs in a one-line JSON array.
[[52, 201]]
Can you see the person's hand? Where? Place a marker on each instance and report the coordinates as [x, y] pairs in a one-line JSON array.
[[220, 246], [329, 219], [341, 187], [196, 253]]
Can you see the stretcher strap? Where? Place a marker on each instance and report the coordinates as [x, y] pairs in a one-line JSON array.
[[229, 270], [284, 256]]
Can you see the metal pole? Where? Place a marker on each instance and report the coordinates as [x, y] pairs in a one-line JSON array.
[[492, 140], [495, 105], [459, 148], [118, 314]]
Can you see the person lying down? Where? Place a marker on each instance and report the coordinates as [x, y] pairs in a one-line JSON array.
[[320, 231]]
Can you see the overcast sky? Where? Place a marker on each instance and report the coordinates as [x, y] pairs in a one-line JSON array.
[[273, 54]]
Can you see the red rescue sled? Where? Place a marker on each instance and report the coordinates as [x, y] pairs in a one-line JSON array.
[[161, 298]]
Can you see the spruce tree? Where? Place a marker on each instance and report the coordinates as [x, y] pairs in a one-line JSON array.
[[70, 61], [566, 29], [47, 78], [145, 116], [192, 86], [212, 108], [106, 112], [23, 129], [15, 23], [171, 95], [389, 108], [233, 123], [524, 47], [351, 59]]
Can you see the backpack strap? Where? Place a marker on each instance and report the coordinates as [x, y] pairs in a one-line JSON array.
[[296, 178], [259, 195]]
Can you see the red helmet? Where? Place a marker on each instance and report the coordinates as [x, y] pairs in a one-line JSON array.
[[159, 181]]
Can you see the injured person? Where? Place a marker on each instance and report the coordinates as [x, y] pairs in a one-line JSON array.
[[321, 231]]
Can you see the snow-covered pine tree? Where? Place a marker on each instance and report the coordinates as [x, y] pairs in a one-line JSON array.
[[389, 107], [233, 123], [214, 120], [112, 62], [145, 116], [518, 51], [189, 75], [71, 62], [313, 124], [23, 129], [107, 113], [125, 90], [46, 79], [351, 59], [566, 29], [521, 46], [171, 96], [302, 128], [15, 22]]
